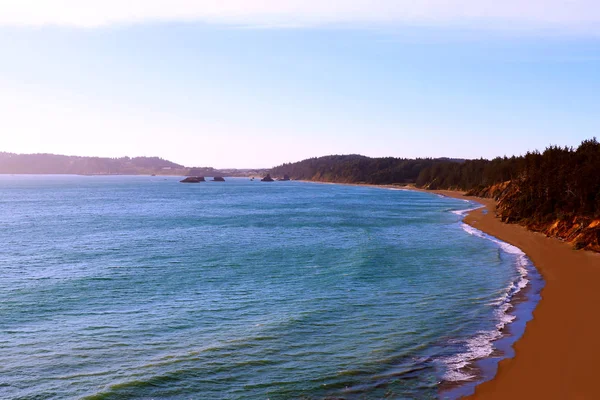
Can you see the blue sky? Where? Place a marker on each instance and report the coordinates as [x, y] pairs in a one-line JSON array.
[[207, 91]]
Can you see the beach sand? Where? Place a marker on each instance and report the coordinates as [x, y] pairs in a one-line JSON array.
[[559, 354]]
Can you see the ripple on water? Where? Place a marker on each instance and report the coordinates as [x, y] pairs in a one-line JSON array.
[[134, 288]]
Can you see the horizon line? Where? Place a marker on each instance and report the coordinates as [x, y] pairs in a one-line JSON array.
[[267, 168]]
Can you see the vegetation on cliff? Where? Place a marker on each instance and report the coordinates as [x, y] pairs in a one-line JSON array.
[[556, 192]]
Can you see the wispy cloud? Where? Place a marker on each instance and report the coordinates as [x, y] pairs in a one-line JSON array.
[[569, 15]]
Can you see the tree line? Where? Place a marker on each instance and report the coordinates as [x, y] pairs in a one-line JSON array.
[[358, 169], [560, 183]]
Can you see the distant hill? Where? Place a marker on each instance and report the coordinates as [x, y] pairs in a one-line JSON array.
[[203, 171], [256, 172], [209, 171], [11, 163]]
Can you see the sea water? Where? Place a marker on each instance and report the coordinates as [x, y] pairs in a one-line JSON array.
[[116, 287]]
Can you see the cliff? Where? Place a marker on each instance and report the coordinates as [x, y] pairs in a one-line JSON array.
[[582, 231]]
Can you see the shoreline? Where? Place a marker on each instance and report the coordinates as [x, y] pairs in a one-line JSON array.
[[516, 310], [556, 356], [521, 300]]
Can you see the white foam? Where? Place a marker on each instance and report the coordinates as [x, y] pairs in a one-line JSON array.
[[481, 345], [457, 376], [472, 231], [462, 213], [522, 259]]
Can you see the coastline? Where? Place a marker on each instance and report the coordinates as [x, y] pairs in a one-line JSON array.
[[557, 354], [514, 312], [479, 363], [521, 302]]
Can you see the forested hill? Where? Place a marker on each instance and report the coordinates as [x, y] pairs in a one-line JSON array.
[[358, 169], [559, 182], [11, 163], [556, 191]]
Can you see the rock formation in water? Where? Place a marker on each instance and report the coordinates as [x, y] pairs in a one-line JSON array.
[[267, 178], [193, 179]]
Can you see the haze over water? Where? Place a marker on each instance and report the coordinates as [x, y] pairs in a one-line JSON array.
[[142, 287]]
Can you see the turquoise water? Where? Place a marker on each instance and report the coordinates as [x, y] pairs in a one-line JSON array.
[[142, 287]]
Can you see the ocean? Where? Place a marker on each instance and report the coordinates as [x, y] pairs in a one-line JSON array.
[[139, 287]]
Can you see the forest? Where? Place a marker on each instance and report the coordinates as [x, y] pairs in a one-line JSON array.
[[558, 182], [359, 169], [556, 191]]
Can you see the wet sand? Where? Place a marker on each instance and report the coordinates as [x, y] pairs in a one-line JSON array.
[[559, 353]]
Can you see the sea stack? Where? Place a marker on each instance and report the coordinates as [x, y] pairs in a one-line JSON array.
[[193, 179], [218, 179], [267, 178]]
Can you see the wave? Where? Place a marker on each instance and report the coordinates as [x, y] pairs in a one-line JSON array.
[[463, 213], [481, 345]]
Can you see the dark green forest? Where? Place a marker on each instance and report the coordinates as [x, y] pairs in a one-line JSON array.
[[359, 169], [558, 182]]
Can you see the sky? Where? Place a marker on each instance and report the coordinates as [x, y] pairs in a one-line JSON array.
[[256, 83]]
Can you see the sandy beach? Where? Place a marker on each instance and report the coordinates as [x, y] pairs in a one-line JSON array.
[[557, 357]]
